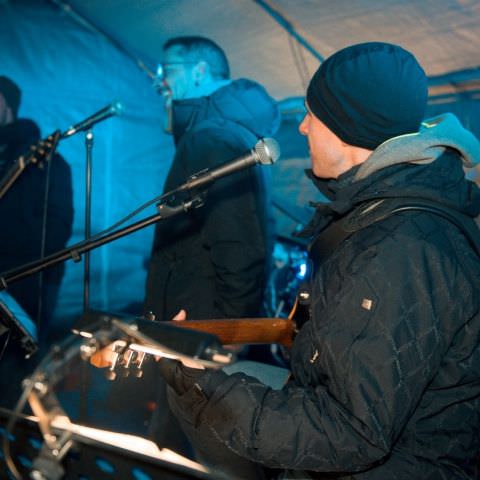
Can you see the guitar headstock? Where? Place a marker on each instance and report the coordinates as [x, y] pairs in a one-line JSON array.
[[40, 153], [37, 154], [139, 339]]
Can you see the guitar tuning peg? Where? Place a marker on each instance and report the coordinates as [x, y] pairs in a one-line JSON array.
[[139, 360], [127, 358], [150, 316], [88, 348], [116, 360]]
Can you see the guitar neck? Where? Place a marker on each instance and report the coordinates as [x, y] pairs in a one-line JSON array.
[[37, 154], [11, 175], [245, 330]]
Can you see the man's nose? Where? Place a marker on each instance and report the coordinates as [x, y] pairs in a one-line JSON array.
[[303, 127]]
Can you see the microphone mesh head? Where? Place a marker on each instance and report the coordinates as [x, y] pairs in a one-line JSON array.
[[117, 108], [267, 150]]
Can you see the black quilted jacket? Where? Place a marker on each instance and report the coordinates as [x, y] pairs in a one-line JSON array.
[[213, 261], [387, 371]]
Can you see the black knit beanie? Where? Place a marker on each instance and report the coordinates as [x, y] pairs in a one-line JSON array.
[[368, 93], [11, 92]]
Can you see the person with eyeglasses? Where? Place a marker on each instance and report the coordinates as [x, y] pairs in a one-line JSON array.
[[213, 261]]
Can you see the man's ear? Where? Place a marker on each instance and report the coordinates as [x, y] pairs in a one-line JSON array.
[[10, 115], [200, 72]]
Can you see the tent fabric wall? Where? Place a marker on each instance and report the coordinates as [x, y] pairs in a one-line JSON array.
[[66, 73]]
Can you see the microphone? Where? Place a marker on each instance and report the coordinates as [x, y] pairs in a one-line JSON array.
[[115, 108], [265, 152]]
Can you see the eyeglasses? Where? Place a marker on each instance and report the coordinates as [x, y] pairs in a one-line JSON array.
[[163, 67]]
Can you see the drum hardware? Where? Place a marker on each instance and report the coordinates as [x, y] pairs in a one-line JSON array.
[[91, 453], [59, 436]]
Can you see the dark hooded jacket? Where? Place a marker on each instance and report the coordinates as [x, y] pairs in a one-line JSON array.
[[28, 213], [213, 260], [387, 371]]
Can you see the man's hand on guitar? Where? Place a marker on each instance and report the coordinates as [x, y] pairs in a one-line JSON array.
[[180, 316], [191, 363]]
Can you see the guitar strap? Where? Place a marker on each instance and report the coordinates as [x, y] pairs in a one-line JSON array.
[[372, 212]]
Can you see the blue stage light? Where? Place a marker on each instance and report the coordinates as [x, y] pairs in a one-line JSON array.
[[302, 271]]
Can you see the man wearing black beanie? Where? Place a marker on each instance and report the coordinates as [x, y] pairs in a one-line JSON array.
[[386, 370]]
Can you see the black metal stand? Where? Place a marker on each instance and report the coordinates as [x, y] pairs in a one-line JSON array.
[[87, 458], [84, 372], [75, 252], [49, 446], [88, 215]]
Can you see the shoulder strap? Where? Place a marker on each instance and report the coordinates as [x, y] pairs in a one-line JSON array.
[[330, 238]]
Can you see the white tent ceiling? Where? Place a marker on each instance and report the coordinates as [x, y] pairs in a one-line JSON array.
[[443, 34]]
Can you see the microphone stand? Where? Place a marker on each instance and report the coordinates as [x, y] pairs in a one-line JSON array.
[[88, 215], [84, 372], [75, 252], [266, 152], [86, 125]]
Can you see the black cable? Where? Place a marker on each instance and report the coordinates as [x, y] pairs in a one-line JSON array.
[[129, 216], [301, 68], [43, 242], [303, 62], [7, 339], [282, 19]]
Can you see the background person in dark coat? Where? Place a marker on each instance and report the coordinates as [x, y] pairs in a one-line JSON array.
[[36, 215], [214, 260], [386, 372]]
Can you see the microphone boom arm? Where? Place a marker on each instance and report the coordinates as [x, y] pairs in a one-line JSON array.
[[75, 252], [266, 152]]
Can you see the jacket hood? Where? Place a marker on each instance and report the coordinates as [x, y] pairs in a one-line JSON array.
[[428, 165], [242, 101], [429, 143]]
